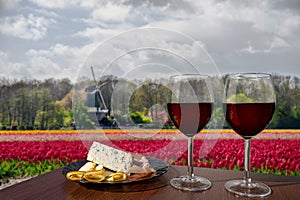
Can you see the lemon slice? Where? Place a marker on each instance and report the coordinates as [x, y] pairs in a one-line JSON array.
[[75, 175], [116, 177], [95, 176]]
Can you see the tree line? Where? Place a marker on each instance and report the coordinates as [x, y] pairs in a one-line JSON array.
[[47, 104], [34, 104]]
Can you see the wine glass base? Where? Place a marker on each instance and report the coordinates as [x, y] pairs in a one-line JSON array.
[[189, 183], [253, 189]]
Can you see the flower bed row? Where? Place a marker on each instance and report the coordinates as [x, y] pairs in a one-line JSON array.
[[120, 131], [151, 134], [268, 156]]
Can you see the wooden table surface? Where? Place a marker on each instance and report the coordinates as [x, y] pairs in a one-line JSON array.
[[54, 185]]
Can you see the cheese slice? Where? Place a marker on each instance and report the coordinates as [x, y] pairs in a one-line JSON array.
[[89, 166], [109, 157], [141, 165]]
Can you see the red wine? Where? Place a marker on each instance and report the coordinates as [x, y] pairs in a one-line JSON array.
[[249, 119], [190, 118]]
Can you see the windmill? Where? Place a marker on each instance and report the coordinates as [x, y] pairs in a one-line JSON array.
[[101, 111]]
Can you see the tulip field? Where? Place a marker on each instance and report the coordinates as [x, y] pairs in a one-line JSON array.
[[24, 153]]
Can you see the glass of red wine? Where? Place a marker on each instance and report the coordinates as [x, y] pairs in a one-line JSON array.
[[190, 108], [249, 104]]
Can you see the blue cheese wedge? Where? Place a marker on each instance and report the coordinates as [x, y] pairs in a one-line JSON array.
[[109, 157]]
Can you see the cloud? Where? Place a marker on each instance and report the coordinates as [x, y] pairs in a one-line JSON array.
[[65, 4], [54, 3], [98, 34], [258, 14], [131, 13], [227, 26], [37, 67], [135, 53], [293, 5], [41, 67], [3, 55], [9, 5], [69, 52], [235, 33], [34, 52], [240, 34], [9, 69], [57, 61], [290, 26], [31, 27], [90, 4], [111, 13], [44, 12], [275, 45]]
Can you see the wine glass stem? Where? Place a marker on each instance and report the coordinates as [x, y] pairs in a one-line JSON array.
[[247, 177], [190, 157]]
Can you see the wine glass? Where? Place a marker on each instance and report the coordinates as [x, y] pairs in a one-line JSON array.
[[249, 104], [190, 108]]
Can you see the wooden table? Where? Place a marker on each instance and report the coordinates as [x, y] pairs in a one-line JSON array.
[[53, 185]]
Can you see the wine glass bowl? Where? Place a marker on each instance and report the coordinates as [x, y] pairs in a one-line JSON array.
[[249, 104], [190, 108]]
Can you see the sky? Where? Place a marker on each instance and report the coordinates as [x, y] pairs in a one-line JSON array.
[[42, 39]]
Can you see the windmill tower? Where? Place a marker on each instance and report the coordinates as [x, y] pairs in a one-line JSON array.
[[101, 108]]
